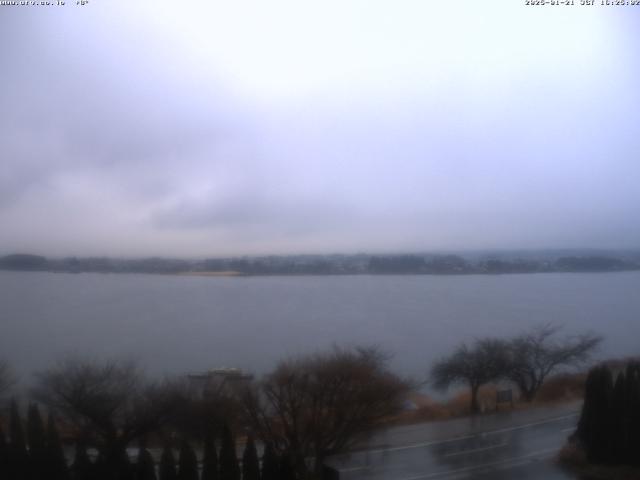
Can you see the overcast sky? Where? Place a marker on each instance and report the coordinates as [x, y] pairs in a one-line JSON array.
[[236, 127]]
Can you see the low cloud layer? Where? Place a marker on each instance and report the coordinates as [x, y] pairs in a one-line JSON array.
[[294, 129]]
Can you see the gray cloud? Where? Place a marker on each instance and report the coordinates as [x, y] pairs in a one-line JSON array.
[[137, 136], [259, 214]]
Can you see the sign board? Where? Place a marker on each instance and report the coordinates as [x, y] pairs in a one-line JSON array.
[[504, 396]]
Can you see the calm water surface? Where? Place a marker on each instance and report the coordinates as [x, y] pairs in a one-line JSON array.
[[176, 323]]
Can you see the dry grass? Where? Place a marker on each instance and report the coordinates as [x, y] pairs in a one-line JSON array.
[[557, 389], [562, 387]]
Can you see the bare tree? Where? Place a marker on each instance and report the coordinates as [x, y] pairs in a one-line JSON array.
[[110, 404], [485, 361], [200, 414], [319, 405], [537, 353]]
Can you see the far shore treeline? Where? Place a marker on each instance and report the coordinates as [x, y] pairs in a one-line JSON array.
[[440, 264]]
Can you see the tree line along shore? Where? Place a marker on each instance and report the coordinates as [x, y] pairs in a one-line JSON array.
[[423, 264]]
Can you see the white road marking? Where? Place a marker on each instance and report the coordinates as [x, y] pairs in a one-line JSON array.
[[515, 461], [482, 449], [466, 437]]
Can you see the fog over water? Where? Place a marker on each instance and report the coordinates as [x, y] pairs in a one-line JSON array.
[[176, 324]]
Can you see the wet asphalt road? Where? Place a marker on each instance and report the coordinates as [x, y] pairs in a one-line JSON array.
[[512, 446]]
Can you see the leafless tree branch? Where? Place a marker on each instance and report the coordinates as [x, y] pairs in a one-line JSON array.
[[323, 404]]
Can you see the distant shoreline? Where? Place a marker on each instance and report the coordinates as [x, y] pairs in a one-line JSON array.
[[233, 274], [358, 264]]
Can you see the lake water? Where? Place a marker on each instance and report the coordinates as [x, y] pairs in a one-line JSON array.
[[173, 324]]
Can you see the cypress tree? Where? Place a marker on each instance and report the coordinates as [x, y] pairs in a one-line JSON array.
[[628, 413], [618, 421], [609, 426], [270, 464], [606, 427], [595, 426], [287, 472], [101, 468], [4, 454], [82, 468], [210, 460], [37, 444], [35, 428], [585, 423], [56, 461], [145, 467], [633, 409], [229, 468], [122, 468], [188, 463], [18, 455], [250, 462], [167, 469]]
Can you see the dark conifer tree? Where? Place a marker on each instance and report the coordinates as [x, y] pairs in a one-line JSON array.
[[82, 468], [101, 469], [121, 468], [287, 471], [585, 423], [56, 461], [145, 466], [632, 454], [167, 468], [619, 422], [250, 462], [188, 468], [37, 444], [18, 455], [603, 435], [270, 464], [4, 454], [210, 460], [229, 468], [609, 426]]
